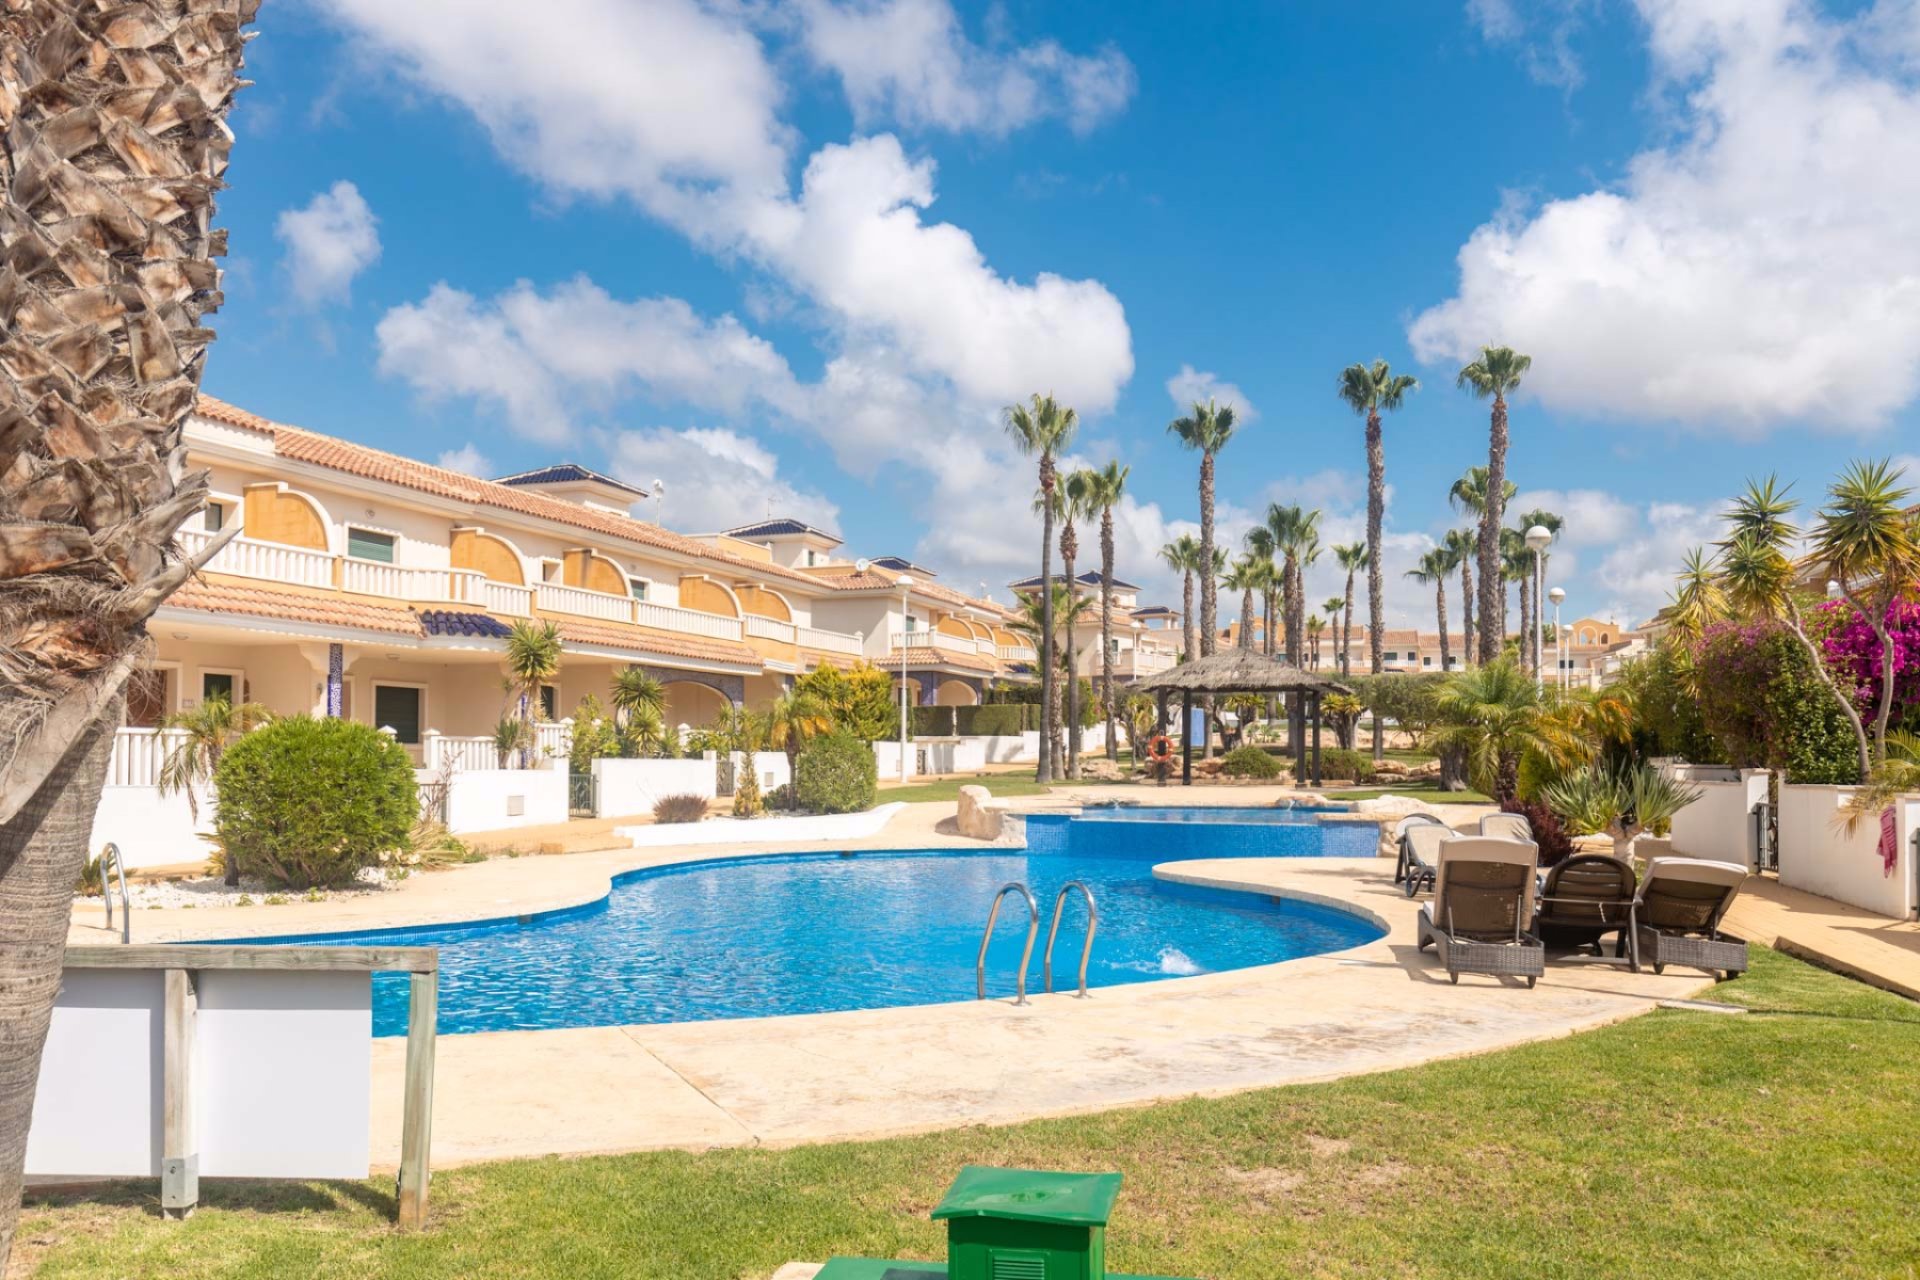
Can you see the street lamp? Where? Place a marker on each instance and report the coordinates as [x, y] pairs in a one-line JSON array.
[[906, 587], [1537, 539], [1559, 658], [1833, 588]]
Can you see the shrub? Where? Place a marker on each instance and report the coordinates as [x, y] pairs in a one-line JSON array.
[[675, 809], [308, 801], [92, 882], [1346, 766], [994, 720], [1767, 707], [836, 773], [781, 797], [1556, 846], [1249, 762], [861, 701], [746, 792]]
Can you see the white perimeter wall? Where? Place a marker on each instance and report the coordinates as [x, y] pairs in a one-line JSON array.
[[486, 799], [630, 788], [1818, 856], [1719, 825], [151, 830]]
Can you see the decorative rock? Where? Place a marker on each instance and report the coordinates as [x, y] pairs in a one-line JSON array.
[[981, 816]]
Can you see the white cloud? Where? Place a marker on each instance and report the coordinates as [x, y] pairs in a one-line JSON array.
[[1760, 268], [716, 478], [909, 61], [1193, 386], [1592, 517], [1544, 35], [468, 460], [330, 240]]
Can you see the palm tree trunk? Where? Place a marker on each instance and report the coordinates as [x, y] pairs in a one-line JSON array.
[[1186, 616], [1346, 634], [1493, 594], [1048, 677], [1466, 610], [1072, 699], [1440, 606], [115, 148], [1376, 589], [1526, 621], [1246, 619], [1209, 588], [1106, 632]]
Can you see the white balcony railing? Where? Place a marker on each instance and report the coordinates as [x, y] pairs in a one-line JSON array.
[[587, 604], [645, 613], [666, 617], [759, 628], [250, 559], [503, 597], [831, 641], [1016, 653], [139, 755]]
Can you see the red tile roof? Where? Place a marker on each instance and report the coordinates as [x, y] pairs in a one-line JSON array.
[[620, 635], [215, 593]]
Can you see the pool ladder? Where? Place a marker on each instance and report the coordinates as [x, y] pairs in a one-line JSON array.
[[1033, 930], [110, 862]]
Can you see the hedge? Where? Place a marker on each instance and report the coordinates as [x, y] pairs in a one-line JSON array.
[[836, 773]]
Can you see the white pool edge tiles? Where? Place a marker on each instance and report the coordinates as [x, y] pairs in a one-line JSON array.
[[834, 826]]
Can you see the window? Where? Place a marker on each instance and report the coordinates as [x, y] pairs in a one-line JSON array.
[[397, 707], [364, 544], [218, 684], [149, 697], [913, 623], [1390, 656], [213, 517], [813, 557], [549, 571], [549, 702], [1427, 661], [637, 588]]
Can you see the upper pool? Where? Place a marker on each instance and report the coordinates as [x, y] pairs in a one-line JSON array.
[[815, 933]]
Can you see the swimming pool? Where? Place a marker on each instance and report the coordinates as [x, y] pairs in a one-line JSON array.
[[816, 933]]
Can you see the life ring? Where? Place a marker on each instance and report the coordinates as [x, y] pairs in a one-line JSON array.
[[1160, 748]]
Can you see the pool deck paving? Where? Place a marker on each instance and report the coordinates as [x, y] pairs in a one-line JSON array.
[[884, 1072]]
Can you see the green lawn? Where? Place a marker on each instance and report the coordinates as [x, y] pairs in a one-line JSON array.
[[1001, 784], [1430, 794], [1781, 1143]]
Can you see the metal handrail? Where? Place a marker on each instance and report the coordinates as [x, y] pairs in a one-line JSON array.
[[1053, 931], [1026, 955], [110, 857]]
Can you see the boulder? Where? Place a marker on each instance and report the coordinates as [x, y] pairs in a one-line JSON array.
[[1100, 770], [1388, 810], [981, 817]]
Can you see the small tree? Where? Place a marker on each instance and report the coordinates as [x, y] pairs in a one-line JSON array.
[[533, 659], [308, 801]]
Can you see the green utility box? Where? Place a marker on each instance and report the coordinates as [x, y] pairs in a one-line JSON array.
[[1012, 1224]]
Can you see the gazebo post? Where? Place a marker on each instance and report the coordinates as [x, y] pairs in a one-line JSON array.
[[1297, 730], [1316, 739], [1161, 699], [1186, 738]]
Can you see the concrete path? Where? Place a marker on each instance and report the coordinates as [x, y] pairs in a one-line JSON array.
[[1871, 948]]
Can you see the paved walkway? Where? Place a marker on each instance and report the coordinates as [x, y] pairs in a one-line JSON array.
[[1874, 949]]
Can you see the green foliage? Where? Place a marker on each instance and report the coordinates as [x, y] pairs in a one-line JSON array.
[[595, 736], [860, 702], [679, 809], [1660, 688], [309, 801], [1406, 698], [1617, 802], [1764, 703], [92, 882], [1249, 762], [836, 773], [746, 791], [1346, 766], [1007, 721], [509, 736]]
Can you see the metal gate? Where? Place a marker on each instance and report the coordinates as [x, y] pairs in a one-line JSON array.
[[580, 795], [723, 776]]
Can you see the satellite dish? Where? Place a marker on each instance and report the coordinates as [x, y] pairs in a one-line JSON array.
[[861, 566]]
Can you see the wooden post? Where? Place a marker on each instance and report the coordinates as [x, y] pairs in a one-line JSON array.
[[1186, 739], [1160, 728], [1316, 738], [416, 1121], [179, 1138]]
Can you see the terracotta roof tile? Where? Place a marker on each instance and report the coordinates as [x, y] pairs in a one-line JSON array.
[[941, 658], [216, 593], [620, 635]]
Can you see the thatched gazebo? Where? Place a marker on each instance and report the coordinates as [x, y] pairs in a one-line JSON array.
[[1242, 671]]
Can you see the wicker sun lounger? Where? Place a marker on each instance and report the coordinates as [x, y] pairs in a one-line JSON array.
[[1678, 913], [1585, 898], [1414, 871], [1482, 904], [1506, 826]]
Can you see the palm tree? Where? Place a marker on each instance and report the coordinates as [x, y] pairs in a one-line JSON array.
[[1493, 715], [1031, 621], [792, 720], [533, 659], [1495, 374], [637, 694], [1316, 626], [1353, 557], [1461, 548], [1207, 430], [116, 147], [1246, 578], [1469, 495], [1331, 608], [1516, 566], [1108, 485], [1042, 429], [213, 726], [1552, 523], [1262, 546], [1369, 390], [1433, 570], [1075, 497], [1865, 540], [1183, 554]]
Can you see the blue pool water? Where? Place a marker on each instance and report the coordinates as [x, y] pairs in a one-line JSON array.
[[814, 933]]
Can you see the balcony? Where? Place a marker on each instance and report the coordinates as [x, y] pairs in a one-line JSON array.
[[555, 598], [1015, 653], [831, 641], [320, 570]]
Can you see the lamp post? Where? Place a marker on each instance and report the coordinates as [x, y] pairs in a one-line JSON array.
[[1559, 659], [906, 588], [1537, 539]]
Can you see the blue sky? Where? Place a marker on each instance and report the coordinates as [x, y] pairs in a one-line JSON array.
[[796, 254]]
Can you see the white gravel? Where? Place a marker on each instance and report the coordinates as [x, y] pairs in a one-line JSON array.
[[211, 891]]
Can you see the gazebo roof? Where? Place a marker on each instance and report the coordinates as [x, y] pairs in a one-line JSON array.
[[1240, 671]]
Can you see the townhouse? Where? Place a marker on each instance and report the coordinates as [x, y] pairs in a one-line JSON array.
[[1146, 639]]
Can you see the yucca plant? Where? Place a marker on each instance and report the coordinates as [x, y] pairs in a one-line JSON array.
[[1621, 803]]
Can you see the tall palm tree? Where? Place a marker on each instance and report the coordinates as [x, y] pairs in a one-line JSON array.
[[1516, 567], [1370, 390], [1469, 495], [1316, 627], [1043, 429], [1353, 557], [1183, 554], [1076, 495], [1261, 546], [116, 146], [210, 728], [1553, 524], [1332, 608], [533, 659], [1496, 374], [1245, 577], [1031, 620], [1109, 485], [1206, 430], [1433, 570], [1462, 547]]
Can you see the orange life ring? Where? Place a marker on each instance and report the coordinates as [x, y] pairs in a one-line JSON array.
[[1160, 748]]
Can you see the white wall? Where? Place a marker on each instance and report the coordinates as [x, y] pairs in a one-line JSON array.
[[772, 767], [887, 755], [630, 788], [151, 830], [1818, 856], [485, 799], [1719, 825]]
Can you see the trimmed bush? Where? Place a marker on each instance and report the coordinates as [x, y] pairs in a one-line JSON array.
[[1249, 762], [1005, 720], [308, 801], [1346, 766], [676, 809], [836, 773]]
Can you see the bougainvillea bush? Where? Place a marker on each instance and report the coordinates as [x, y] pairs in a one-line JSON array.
[[1765, 704], [1855, 656]]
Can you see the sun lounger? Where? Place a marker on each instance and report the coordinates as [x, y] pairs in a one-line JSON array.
[[1414, 870], [1678, 913], [1483, 894], [1585, 898], [1507, 826]]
